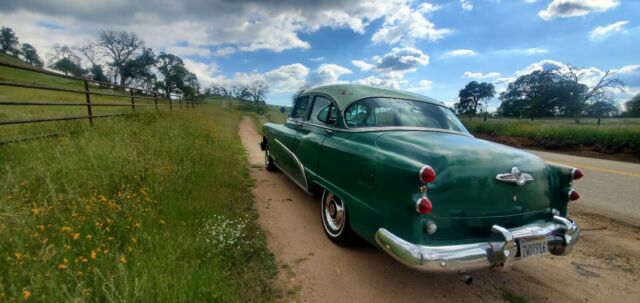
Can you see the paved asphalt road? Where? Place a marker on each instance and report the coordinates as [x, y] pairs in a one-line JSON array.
[[609, 188]]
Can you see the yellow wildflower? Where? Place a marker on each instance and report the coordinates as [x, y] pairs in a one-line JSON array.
[[83, 260], [75, 236], [136, 225], [162, 222], [18, 256], [40, 227], [94, 255], [26, 294], [62, 266], [123, 259], [36, 210], [88, 237], [66, 229]]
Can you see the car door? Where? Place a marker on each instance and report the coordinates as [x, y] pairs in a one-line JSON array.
[[283, 148], [310, 136]]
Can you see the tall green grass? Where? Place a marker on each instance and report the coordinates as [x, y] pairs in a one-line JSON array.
[[614, 135], [151, 207]]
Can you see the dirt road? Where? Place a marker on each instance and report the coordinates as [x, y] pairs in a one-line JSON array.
[[604, 266]]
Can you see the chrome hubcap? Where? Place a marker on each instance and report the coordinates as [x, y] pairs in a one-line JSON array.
[[266, 157], [333, 213]]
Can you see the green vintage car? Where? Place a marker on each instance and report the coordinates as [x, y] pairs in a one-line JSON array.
[[399, 170]]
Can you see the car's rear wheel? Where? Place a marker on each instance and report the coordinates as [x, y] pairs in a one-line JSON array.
[[335, 219], [268, 160]]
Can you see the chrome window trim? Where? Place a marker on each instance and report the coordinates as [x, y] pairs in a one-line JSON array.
[[304, 186]]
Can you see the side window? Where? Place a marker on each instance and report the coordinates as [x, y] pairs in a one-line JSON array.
[[357, 115], [321, 110], [300, 107]]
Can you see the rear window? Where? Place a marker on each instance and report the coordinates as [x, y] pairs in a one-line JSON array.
[[389, 112]]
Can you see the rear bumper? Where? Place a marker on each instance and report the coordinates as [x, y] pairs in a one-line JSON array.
[[499, 253]]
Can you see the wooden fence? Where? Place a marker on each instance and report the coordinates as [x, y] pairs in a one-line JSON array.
[[132, 97]]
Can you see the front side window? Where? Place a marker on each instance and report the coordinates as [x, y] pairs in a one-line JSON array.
[[300, 108], [389, 112]]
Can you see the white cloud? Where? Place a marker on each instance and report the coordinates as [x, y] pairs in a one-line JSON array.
[[575, 8], [327, 74], [389, 80], [317, 59], [285, 78], [535, 51], [405, 59], [207, 73], [602, 32], [189, 51], [466, 5], [460, 53], [225, 51], [401, 59], [481, 75], [407, 24], [523, 51], [249, 25], [363, 66], [422, 86]]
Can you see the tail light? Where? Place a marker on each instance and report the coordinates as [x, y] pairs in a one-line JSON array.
[[573, 195], [427, 174], [423, 206], [576, 174]]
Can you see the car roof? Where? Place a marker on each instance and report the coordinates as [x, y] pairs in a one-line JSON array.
[[345, 94]]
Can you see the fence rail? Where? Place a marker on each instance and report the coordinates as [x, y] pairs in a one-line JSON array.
[[134, 94]]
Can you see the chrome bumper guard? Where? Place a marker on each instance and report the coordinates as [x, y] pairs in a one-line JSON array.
[[499, 253]]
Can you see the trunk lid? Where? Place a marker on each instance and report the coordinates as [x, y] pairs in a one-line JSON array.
[[466, 186]]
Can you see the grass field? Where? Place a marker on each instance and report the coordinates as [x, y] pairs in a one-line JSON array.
[[152, 207], [613, 135]]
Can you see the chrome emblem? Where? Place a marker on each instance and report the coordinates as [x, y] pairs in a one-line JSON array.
[[515, 176]]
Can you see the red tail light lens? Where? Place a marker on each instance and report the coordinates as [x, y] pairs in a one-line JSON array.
[[424, 206], [573, 195], [427, 174], [576, 174]]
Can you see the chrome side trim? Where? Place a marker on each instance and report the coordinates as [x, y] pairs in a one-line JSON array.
[[498, 253], [387, 128], [300, 167]]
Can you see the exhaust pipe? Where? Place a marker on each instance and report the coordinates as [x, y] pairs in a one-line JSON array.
[[467, 279]]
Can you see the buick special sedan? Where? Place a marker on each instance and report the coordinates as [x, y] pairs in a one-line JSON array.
[[399, 170]]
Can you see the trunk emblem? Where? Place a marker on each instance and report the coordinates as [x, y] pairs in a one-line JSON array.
[[515, 176]]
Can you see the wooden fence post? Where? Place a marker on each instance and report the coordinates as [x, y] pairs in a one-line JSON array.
[[133, 103], [170, 105], [155, 99], [88, 98]]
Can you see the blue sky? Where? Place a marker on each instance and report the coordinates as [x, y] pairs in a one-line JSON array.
[[433, 47]]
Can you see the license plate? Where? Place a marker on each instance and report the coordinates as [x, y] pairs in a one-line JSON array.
[[533, 247]]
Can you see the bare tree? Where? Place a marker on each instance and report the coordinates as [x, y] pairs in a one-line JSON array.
[[596, 92], [258, 91], [120, 48]]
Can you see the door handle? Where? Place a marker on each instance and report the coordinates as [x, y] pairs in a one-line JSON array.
[[328, 131], [299, 123]]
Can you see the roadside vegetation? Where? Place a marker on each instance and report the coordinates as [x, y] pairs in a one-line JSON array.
[[151, 207], [613, 136]]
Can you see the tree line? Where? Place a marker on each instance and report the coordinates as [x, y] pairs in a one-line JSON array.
[[255, 91], [549, 93], [118, 57]]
